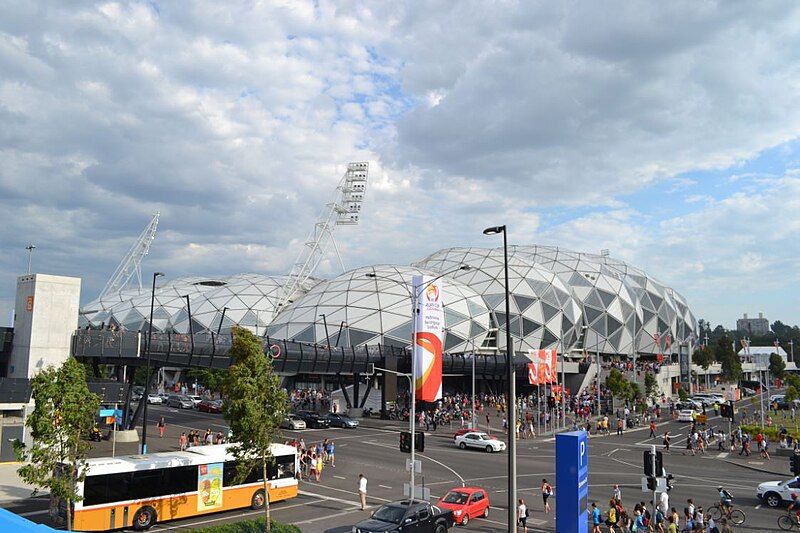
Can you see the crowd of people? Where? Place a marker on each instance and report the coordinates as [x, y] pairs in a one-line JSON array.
[[194, 438], [314, 458]]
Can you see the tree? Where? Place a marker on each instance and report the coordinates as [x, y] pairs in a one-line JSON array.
[[791, 394], [256, 405], [617, 383], [731, 364], [211, 378], [703, 357], [650, 385], [682, 395], [63, 414], [777, 365]]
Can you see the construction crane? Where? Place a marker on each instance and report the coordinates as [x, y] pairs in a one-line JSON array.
[[343, 210], [131, 264]]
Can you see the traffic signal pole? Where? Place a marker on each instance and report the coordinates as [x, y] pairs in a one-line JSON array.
[[655, 474]]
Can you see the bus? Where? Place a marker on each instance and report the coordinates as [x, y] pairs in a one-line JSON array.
[[139, 490]]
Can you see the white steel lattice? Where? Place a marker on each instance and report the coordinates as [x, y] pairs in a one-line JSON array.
[[130, 265]]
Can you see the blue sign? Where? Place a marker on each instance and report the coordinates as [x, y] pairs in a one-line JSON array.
[[572, 482]]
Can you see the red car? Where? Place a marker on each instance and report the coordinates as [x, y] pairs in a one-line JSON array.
[[210, 406], [466, 503]]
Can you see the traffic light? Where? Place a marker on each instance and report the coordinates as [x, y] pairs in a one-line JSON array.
[[419, 442], [670, 482], [794, 462], [652, 483], [648, 463], [405, 441], [726, 410]]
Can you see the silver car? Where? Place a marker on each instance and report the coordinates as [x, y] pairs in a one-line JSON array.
[[180, 401], [293, 422]]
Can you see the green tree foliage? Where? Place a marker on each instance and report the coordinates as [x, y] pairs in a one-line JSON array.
[[791, 394], [777, 365], [682, 394], [792, 380], [617, 383], [731, 364], [63, 415], [255, 406], [650, 385], [703, 357], [210, 378]]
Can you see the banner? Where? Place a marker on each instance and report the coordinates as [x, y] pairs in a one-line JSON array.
[[429, 337], [533, 374], [548, 369], [209, 486]]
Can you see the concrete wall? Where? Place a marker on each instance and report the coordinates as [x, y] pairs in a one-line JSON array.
[[46, 315]]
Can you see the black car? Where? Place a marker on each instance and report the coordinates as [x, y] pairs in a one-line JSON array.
[[338, 420], [313, 420], [406, 516]]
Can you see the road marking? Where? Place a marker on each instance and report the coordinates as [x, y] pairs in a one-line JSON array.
[[385, 486], [758, 506], [159, 527], [325, 517], [331, 498], [339, 490], [429, 459], [722, 454], [340, 477]]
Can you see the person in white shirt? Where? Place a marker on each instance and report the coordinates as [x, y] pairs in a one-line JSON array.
[[663, 503], [362, 491], [522, 515]]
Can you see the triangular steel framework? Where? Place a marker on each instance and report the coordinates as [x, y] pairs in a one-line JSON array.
[[131, 264]]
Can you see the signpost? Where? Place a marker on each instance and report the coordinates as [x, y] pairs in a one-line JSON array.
[[572, 480]]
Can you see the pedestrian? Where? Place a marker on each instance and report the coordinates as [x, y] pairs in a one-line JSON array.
[[331, 457], [612, 519], [619, 426], [596, 518], [673, 525], [320, 466], [162, 425], [652, 429], [183, 441], [522, 515], [362, 491], [547, 491], [617, 493]]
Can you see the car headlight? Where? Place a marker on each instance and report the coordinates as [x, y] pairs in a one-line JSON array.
[[457, 513]]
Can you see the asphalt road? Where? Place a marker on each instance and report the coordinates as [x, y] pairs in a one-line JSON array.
[[331, 505]]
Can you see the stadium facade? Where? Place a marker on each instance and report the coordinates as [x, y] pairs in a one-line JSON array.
[[560, 299]]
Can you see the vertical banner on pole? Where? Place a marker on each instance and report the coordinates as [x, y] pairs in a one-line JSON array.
[[572, 482], [429, 341], [533, 374]]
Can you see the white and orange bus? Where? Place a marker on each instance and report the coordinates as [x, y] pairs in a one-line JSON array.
[[139, 490]]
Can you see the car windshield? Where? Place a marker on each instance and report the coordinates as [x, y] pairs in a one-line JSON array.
[[483, 436], [389, 513], [455, 497]]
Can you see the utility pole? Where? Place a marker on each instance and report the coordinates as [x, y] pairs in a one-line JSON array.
[[31, 247]]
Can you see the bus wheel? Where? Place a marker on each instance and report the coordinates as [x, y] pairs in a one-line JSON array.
[[257, 502], [144, 519]]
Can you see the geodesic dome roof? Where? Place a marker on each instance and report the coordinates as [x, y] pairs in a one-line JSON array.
[[377, 310], [543, 312]]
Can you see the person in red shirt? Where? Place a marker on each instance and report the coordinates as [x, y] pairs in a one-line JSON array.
[[652, 429]]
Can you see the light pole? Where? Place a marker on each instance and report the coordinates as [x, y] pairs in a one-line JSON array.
[[512, 393], [147, 383], [31, 247], [414, 294]]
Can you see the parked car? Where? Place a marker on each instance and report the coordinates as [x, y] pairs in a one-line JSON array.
[[180, 401], [686, 415], [775, 493], [210, 406], [405, 516], [195, 399], [313, 420], [466, 503], [338, 420], [476, 439], [292, 421], [154, 399]]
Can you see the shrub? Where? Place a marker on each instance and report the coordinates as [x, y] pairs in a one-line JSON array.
[[248, 526]]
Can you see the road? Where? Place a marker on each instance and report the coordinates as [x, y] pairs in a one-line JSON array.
[[331, 505]]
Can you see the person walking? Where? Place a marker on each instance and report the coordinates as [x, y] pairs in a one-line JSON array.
[[617, 495], [596, 518], [547, 491], [619, 426], [362, 491], [162, 425], [331, 456], [666, 441], [183, 441], [652, 429], [522, 515]]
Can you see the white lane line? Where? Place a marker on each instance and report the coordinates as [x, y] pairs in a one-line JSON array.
[[339, 477], [326, 517], [430, 459], [331, 498], [385, 486], [35, 513], [369, 496], [722, 454], [244, 513]]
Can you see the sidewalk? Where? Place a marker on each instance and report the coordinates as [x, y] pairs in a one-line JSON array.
[[12, 488]]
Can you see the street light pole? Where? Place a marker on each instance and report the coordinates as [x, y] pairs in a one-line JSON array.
[[147, 383], [31, 247], [512, 394]]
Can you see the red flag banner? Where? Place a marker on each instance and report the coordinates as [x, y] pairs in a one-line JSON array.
[[533, 374]]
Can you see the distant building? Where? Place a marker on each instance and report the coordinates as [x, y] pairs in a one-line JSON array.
[[753, 326], [760, 354]]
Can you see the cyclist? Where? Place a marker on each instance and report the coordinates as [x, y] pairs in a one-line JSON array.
[[795, 506], [725, 500]]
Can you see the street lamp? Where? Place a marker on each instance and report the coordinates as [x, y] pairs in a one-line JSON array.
[[414, 295], [512, 393], [147, 383], [31, 247]]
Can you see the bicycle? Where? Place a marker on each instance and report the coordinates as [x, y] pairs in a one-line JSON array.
[[736, 516], [789, 521]]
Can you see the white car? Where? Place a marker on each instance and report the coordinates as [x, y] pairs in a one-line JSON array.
[[686, 415], [195, 399], [154, 398], [776, 398], [774, 493], [476, 439]]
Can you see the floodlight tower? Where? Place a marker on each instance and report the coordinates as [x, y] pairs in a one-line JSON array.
[[131, 264], [343, 210]]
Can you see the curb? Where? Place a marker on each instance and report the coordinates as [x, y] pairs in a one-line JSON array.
[[755, 469]]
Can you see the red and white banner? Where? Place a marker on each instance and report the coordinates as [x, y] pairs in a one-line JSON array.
[[533, 374], [429, 338], [543, 367]]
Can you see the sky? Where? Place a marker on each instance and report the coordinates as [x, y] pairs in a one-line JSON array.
[[665, 132]]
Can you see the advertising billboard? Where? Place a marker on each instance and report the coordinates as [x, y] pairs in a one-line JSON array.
[[428, 337], [572, 482]]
